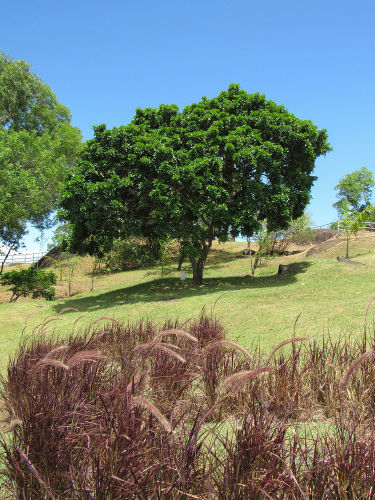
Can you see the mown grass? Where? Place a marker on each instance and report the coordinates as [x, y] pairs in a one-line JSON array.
[[330, 296]]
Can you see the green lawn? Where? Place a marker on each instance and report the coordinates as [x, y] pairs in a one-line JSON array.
[[330, 296]]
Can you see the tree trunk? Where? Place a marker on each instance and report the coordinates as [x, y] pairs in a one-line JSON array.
[[347, 248], [198, 264], [7, 255]]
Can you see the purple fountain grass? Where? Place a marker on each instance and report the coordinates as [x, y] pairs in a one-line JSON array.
[[236, 381]]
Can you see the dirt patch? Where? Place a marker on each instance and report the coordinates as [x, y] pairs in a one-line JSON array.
[[322, 235], [54, 255], [322, 247]]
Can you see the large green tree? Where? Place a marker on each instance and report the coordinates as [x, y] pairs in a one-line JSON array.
[[37, 146], [219, 167], [356, 190]]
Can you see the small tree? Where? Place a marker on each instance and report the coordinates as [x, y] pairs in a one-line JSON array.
[[264, 239], [351, 222], [356, 190], [30, 281]]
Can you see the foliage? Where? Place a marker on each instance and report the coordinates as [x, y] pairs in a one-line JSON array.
[[61, 237], [355, 189], [218, 167], [351, 222], [37, 145], [147, 411], [167, 252], [370, 219], [264, 240], [299, 233], [131, 253], [28, 282]]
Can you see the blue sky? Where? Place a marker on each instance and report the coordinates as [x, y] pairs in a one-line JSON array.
[[104, 59]]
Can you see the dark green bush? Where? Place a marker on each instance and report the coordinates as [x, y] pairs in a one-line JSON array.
[[26, 282], [129, 254]]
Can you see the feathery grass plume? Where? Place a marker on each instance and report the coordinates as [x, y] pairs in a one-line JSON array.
[[170, 352], [14, 422], [79, 317], [39, 329], [284, 342], [238, 379], [180, 333], [55, 350], [67, 309], [135, 379], [168, 348], [49, 362], [228, 343], [152, 344], [83, 356], [295, 323], [216, 301], [106, 318], [152, 408], [354, 365], [191, 375]]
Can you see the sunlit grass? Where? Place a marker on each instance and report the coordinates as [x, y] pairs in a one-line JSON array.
[[329, 295]]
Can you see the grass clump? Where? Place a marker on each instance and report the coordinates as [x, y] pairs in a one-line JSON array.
[[178, 411]]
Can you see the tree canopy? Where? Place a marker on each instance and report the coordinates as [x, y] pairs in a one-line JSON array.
[[37, 145], [355, 189], [219, 167]]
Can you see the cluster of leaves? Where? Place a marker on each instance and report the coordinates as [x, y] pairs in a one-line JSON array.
[[355, 190], [277, 242], [299, 232], [30, 282], [128, 254], [218, 167], [351, 222], [37, 146], [164, 412]]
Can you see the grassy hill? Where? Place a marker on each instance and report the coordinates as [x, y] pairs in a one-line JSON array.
[[331, 296], [282, 422]]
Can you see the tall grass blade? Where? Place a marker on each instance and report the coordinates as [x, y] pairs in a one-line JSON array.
[[354, 365], [35, 473], [288, 341]]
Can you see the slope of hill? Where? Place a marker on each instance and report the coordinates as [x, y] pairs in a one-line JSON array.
[[329, 295]]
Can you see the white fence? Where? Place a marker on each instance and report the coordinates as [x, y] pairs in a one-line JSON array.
[[26, 258], [340, 226]]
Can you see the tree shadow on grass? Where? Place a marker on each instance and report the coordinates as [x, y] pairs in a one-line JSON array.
[[169, 289]]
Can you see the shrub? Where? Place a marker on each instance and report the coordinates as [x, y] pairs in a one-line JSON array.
[[142, 411], [26, 282], [299, 233], [129, 254]]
